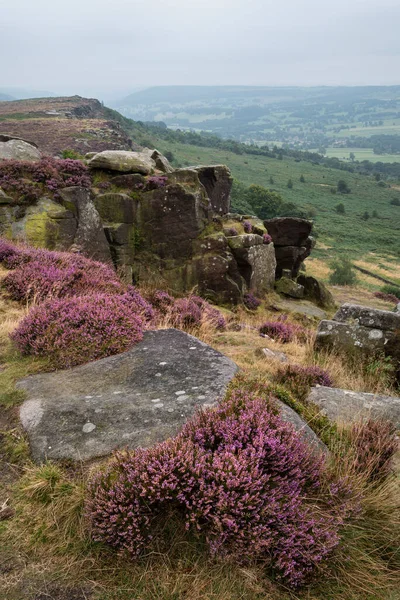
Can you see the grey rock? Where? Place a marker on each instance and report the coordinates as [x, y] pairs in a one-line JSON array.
[[257, 265], [89, 237], [133, 399], [309, 436], [245, 241], [17, 149], [397, 309], [315, 290], [301, 307], [217, 180], [368, 317], [288, 287], [348, 406], [123, 161], [274, 354], [351, 336], [288, 231], [162, 163]]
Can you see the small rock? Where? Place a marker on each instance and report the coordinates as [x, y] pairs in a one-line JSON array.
[[274, 354], [288, 287]]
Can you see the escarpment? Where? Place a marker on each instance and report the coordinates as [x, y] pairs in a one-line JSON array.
[[157, 225]]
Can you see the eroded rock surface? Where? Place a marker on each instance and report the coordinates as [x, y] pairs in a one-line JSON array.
[[347, 406], [123, 161], [18, 149], [132, 399]]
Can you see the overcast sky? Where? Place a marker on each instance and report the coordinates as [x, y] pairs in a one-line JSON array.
[[104, 47]]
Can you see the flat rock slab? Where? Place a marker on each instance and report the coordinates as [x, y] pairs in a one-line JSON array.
[[347, 406], [133, 399], [304, 307]]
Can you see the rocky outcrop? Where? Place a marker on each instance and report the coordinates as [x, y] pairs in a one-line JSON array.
[[361, 329], [133, 399], [292, 241], [18, 149], [288, 287], [347, 406], [123, 162], [217, 181]]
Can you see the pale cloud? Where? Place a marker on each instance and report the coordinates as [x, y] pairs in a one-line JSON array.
[[100, 46]]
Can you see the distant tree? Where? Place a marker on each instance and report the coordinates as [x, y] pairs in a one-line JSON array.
[[340, 208], [290, 184], [366, 216], [395, 202], [302, 179], [271, 180], [280, 156], [342, 187], [377, 176], [352, 156], [342, 272], [169, 155], [375, 214]]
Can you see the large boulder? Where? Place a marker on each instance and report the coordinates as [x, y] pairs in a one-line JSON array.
[[288, 231], [89, 237], [123, 161], [256, 261], [346, 406], [12, 148], [133, 399], [362, 329], [316, 291], [217, 180]]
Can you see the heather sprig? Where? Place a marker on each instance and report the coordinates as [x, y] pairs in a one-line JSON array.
[[247, 226], [299, 379], [283, 331], [250, 301]]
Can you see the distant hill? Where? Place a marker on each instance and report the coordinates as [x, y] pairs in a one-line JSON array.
[[59, 124], [5, 97], [23, 94]]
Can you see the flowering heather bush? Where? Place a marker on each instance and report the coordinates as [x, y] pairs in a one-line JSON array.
[[251, 302], [72, 331], [28, 181], [231, 231], [39, 274], [387, 297], [282, 331], [240, 476], [156, 181], [267, 239], [139, 305], [300, 379], [192, 311], [247, 226], [161, 301], [375, 443]]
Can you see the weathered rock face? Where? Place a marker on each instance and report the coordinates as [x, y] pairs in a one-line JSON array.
[[347, 406], [89, 237], [316, 291], [217, 181], [288, 287], [289, 415], [361, 329], [123, 162], [18, 149], [292, 241], [133, 399]]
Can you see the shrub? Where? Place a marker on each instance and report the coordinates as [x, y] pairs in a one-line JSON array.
[[193, 311], [239, 476], [283, 331], [391, 289], [267, 239], [231, 231], [27, 181], [73, 331], [156, 181], [340, 208], [395, 202], [342, 187], [247, 226], [302, 179], [300, 379], [387, 297], [161, 301], [343, 272], [290, 184], [375, 444], [40, 274], [251, 302]]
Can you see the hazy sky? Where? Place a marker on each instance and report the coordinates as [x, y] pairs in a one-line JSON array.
[[102, 47]]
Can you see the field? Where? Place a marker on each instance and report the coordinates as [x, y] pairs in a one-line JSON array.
[[361, 154]]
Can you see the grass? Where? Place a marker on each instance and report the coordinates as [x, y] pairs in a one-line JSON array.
[[361, 154], [46, 550]]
